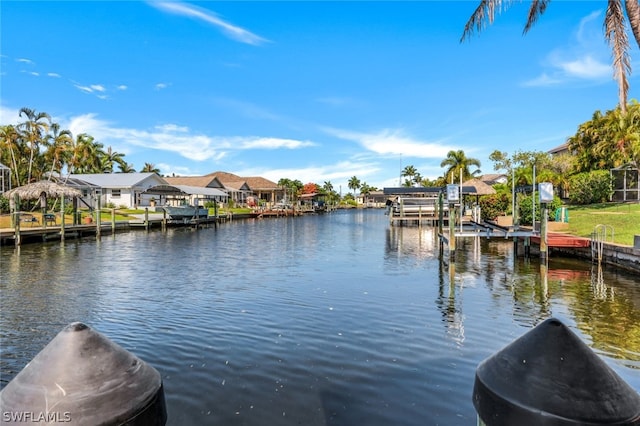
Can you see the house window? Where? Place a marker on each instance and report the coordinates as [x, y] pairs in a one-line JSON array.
[[115, 193]]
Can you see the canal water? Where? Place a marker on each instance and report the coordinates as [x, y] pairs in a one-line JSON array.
[[336, 319]]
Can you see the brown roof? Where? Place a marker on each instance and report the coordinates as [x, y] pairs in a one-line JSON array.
[[201, 181], [33, 191], [230, 180], [481, 187], [257, 182]]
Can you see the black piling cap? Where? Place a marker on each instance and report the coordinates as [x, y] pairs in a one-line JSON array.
[[550, 377], [83, 378]]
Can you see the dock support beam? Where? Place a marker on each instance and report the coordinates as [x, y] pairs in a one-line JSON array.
[[452, 230], [543, 233], [62, 218], [98, 218]]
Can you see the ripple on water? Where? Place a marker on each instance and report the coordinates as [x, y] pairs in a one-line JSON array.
[[335, 319]]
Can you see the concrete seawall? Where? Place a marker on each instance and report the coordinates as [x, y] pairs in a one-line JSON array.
[[612, 254]]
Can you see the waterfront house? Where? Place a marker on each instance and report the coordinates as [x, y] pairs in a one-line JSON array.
[[127, 190]]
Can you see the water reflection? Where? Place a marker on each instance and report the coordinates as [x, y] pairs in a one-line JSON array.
[[605, 304], [336, 319]]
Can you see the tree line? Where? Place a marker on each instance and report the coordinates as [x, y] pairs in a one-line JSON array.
[[38, 148]]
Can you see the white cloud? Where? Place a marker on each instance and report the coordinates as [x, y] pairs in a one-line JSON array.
[[122, 87], [53, 74], [176, 139], [543, 79], [92, 89], [271, 143], [25, 61], [161, 86], [582, 58], [172, 128], [393, 142], [586, 67], [9, 116], [195, 12]]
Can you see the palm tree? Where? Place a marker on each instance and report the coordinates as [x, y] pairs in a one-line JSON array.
[[354, 183], [126, 168], [10, 142], [86, 155], [59, 143], [409, 172], [33, 130], [150, 168], [615, 32], [110, 159], [457, 161]]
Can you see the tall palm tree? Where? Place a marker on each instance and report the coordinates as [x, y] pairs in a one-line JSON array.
[[33, 130], [354, 183], [86, 155], [615, 31], [59, 144], [409, 172], [109, 159], [457, 161]]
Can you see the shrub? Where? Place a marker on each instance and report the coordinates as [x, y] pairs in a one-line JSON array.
[[590, 188], [4, 205], [494, 205], [526, 209]]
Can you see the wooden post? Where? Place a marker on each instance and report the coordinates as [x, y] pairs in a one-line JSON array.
[[440, 212], [164, 220], [113, 221], [452, 230], [543, 233], [98, 218], [16, 220], [146, 218], [62, 218], [16, 224]]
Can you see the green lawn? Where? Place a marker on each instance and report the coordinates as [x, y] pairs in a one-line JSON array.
[[624, 218]]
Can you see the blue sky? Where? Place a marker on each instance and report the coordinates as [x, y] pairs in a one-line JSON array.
[[316, 91]]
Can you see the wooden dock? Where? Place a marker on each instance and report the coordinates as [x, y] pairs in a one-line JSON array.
[[9, 236]]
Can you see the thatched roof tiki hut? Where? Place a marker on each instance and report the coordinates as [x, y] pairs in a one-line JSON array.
[[40, 191]]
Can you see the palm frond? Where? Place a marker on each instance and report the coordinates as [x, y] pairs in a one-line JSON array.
[[483, 15], [535, 11], [616, 36], [633, 14]]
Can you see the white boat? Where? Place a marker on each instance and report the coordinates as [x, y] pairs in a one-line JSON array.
[[185, 212]]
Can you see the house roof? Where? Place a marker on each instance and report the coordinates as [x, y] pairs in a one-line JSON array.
[[231, 181], [260, 183], [198, 190], [201, 181], [559, 149], [493, 178], [481, 188], [119, 180], [184, 189]]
